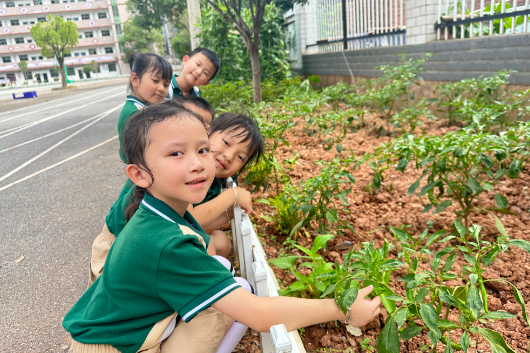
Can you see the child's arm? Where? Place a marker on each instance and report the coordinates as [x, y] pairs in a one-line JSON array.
[[261, 313], [219, 221], [210, 211]]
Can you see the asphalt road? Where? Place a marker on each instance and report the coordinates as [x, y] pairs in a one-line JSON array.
[[59, 175]]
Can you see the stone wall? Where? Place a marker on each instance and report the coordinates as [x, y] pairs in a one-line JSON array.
[[453, 60]]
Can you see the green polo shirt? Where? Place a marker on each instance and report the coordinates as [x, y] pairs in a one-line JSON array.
[[132, 105], [175, 91], [155, 268], [116, 218]]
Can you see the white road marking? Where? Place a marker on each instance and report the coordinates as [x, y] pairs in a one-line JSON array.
[[23, 165], [25, 126], [14, 128], [53, 133], [60, 105], [57, 164]]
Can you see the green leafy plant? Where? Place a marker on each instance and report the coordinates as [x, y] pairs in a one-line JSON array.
[[392, 88], [272, 129], [322, 190], [332, 126], [289, 213], [409, 118], [458, 166], [428, 299], [427, 294]]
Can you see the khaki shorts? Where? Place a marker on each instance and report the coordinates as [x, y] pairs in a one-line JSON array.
[[203, 334], [100, 249]]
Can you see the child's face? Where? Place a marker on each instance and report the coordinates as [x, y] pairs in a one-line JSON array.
[[197, 70], [229, 152], [181, 162], [150, 88]]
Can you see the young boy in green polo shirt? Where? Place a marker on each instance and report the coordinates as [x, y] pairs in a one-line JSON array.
[[198, 69], [161, 291]]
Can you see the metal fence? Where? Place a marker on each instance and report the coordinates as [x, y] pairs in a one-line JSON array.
[[357, 24], [476, 18]]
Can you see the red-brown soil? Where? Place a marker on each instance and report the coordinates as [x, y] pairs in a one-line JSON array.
[[395, 208]]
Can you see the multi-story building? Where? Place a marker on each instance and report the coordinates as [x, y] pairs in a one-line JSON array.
[[99, 23]]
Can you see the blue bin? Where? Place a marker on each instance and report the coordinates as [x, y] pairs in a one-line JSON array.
[[32, 94]]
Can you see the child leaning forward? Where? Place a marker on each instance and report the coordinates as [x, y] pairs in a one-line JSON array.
[[161, 291]]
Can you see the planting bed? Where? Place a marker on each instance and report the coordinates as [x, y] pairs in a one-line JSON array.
[[370, 215]]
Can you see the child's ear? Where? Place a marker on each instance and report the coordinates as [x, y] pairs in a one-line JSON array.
[[208, 129], [135, 80], [138, 176], [185, 59]]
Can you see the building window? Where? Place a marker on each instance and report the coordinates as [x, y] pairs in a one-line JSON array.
[[19, 40], [92, 52], [118, 29], [85, 16], [105, 33], [102, 15], [3, 42], [37, 2], [10, 4], [112, 67], [83, 54], [54, 72], [89, 34], [55, 1], [109, 50], [29, 75], [68, 55], [80, 36], [41, 19], [29, 40], [6, 59], [76, 54], [0, 23], [28, 22], [71, 71], [23, 57], [15, 23]]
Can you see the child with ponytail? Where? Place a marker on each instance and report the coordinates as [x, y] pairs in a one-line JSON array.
[[161, 291]]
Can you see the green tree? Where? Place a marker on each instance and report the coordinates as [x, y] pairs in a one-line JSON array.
[[137, 39], [56, 37], [220, 36], [149, 12], [181, 43], [94, 65], [23, 66], [87, 69]]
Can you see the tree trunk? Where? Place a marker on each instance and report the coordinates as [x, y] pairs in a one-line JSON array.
[[256, 71], [60, 61]]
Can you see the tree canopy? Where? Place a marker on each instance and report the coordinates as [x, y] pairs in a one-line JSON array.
[[138, 39], [56, 37]]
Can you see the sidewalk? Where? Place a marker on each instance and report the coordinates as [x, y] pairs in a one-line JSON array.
[[46, 94]]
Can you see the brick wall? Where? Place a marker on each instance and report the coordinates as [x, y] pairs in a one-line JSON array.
[[453, 60]]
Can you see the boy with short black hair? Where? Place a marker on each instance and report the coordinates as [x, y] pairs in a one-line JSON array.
[[198, 68]]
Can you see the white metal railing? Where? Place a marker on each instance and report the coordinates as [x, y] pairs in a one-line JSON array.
[[477, 18], [254, 268], [357, 24]]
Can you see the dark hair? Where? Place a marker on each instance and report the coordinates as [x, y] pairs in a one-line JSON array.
[[231, 122], [211, 56], [149, 62], [199, 102], [136, 139]]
